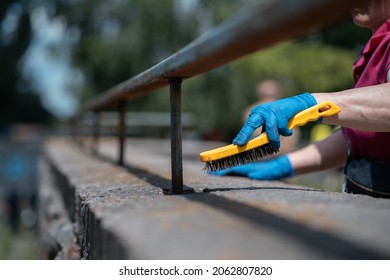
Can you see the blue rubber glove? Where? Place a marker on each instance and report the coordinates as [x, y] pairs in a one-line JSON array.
[[274, 116], [274, 169]]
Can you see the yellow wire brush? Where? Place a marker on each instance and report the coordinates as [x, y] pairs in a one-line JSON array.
[[259, 147]]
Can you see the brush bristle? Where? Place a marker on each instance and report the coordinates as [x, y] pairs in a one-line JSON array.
[[241, 158]]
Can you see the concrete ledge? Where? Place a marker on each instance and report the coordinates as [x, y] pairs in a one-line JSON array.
[[57, 237], [122, 213]]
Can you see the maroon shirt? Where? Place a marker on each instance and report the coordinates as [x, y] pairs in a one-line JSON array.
[[371, 69]]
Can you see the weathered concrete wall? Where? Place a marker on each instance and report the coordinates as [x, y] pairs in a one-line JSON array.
[[56, 231], [122, 213]]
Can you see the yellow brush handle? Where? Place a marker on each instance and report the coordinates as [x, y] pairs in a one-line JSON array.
[[324, 109]]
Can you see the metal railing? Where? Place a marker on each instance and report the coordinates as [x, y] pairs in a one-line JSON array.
[[252, 29]]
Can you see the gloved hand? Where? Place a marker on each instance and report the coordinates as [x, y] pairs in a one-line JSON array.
[[274, 116], [274, 169]]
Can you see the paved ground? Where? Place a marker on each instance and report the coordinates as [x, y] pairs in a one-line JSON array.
[[122, 212]]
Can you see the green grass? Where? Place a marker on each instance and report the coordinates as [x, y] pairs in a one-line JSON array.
[[21, 245]]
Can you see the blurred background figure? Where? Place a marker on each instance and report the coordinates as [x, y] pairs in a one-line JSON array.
[[20, 150], [268, 91]]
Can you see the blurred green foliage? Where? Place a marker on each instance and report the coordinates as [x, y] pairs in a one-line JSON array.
[[115, 40], [224, 94], [18, 101]]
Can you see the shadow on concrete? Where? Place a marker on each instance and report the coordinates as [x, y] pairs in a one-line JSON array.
[[165, 184], [209, 190], [151, 178], [327, 245]]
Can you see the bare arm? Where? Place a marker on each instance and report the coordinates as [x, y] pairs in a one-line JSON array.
[[331, 152], [366, 108]]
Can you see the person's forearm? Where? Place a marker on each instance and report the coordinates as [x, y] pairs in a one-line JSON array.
[[366, 108], [331, 152]]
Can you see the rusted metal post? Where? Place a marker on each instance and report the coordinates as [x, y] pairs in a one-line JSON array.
[[71, 130], [121, 130], [176, 136], [96, 132], [83, 132], [78, 131]]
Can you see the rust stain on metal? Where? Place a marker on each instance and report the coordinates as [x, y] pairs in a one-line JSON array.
[[121, 131], [176, 136]]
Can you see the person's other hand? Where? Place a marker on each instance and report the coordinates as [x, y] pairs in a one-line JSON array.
[[275, 169], [274, 116]]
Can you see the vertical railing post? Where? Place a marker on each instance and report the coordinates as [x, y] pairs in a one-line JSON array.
[[122, 106], [71, 129], [78, 131], [84, 131], [176, 136], [96, 132]]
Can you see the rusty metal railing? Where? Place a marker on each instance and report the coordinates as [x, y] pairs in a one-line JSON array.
[[252, 29]]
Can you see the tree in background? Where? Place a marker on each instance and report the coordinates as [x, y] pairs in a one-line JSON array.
[[18, 102], [118, 39]]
